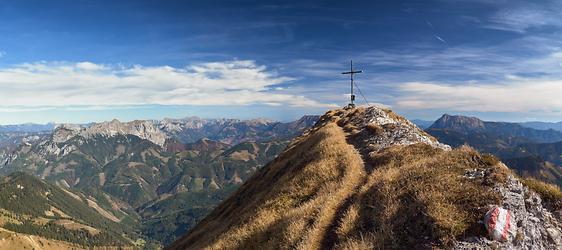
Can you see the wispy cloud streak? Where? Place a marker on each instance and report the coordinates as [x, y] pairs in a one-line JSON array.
[[522, 16]]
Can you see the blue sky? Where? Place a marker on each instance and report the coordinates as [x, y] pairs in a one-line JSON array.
[[81, 61]]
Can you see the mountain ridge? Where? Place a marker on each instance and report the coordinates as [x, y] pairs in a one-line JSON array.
[[29, 205], [160, 190], [529, 152], [543, 125], [367, 178], [142, 129], [465, 124]]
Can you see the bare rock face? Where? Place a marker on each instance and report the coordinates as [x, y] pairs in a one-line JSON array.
[[64, 132], [462, 123], [143, 129], [534, 226], [389, 128], [178, 125]]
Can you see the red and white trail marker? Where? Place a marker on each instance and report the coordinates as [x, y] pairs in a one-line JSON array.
[[498, 222]]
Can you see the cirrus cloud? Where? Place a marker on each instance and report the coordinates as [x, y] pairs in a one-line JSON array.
[[63, 84]]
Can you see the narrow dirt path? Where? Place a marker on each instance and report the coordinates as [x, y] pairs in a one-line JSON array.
[[331, 239]]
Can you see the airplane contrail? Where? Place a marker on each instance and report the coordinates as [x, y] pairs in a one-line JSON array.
[[440, 39], [429, 24]]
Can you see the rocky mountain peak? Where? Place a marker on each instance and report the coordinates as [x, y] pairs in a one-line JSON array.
[[143, 129], [377, 128], [304, 122], [458, 122], [114, 121], [64, 132]]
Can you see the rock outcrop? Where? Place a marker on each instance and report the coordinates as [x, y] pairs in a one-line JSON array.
[[534, 226], [64, 132], [457, 122], [142, 129], [379, 129]]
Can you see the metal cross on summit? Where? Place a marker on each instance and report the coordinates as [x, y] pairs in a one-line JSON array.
[[351, 72]]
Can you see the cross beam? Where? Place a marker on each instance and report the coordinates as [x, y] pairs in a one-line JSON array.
[[351, 72]]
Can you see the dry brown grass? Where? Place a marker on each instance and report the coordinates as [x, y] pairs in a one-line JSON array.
[[549, 193], [375, 128], [13, 240], [418, 196], [490, 160], [319, 194], [313, 178]]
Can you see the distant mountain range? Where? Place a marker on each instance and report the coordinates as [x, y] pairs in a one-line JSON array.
[[192, 122], [469, 125], [543, 125], [528, 151], [423, 124], [157, 178], [27, 127], [187, 130], [233, 131], [535, 125]]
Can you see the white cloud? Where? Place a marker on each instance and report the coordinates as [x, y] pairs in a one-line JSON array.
[[517, 96], [16, 109], [520, 17], [88, 66], [55, 84]]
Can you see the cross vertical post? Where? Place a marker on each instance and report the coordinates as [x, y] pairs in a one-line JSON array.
[[351, 72]]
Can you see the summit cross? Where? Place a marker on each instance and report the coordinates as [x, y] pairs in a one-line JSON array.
[[351, 72]]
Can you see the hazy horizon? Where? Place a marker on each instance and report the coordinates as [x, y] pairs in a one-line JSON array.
[[248, 117]]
